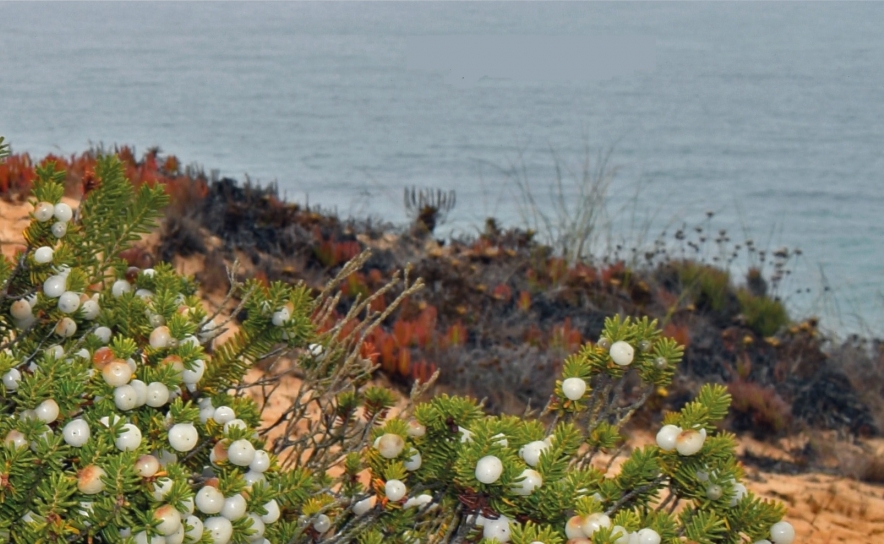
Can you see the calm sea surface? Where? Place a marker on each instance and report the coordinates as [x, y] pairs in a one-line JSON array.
[[770, 115]]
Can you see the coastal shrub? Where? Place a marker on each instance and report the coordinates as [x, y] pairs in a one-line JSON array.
[[708, 286], [760, 409], [763, 314], [125, 421]]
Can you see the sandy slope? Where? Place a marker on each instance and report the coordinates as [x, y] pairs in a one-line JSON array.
[[823, 508]]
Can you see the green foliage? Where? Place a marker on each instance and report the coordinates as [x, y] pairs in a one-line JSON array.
[[764, 315], [134, 363], [708, 285]]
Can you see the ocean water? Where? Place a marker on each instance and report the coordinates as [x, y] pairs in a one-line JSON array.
[[769, 115]]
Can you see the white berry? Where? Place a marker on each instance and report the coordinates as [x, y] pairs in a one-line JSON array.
[[241, 452], [206, 413], [209, 500], [739, 492], [160, 337], [54, 286], [689, 442], [257, 528], [489, 469], [574, 388], [155, 320], [415, 429], [43, 211], [125, 397], [530, 452], [141, 538], [43, 255], [68, 302], [322, 523], [55, 351], [218, 454], [129, 439], [234, 423], [390, 445], [66, 327], [147, 465], [47, 411], [417, 502], [498, 528], [103, 334], [363, 506], [16, 439], [574, 527], [59, 229], [272, 508], [220, 529], [223, 414], [395, 490], [196, 528], [234, 507], [280, 317], [169, 518], [183, 436], [140, 392], [532, 480], [623, 537], [622, 353], [120, 287], [261, 461], [178, 536], [161, 488], [76, 432], [89, 480], [667, 437], [196, 373], [11, 379], [143, 293], [116, 373], [21, 309], [251, 478], [157, 394], [648, 536], [89, 309], [782, 532], [414, 462], [63, 212], [594, 522]]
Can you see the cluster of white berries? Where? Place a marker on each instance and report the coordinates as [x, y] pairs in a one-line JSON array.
[[224, 510], [208, 512], [621, 354], [391, 446], [685, 441], [61, 212], [488, 470], [580, 529]]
